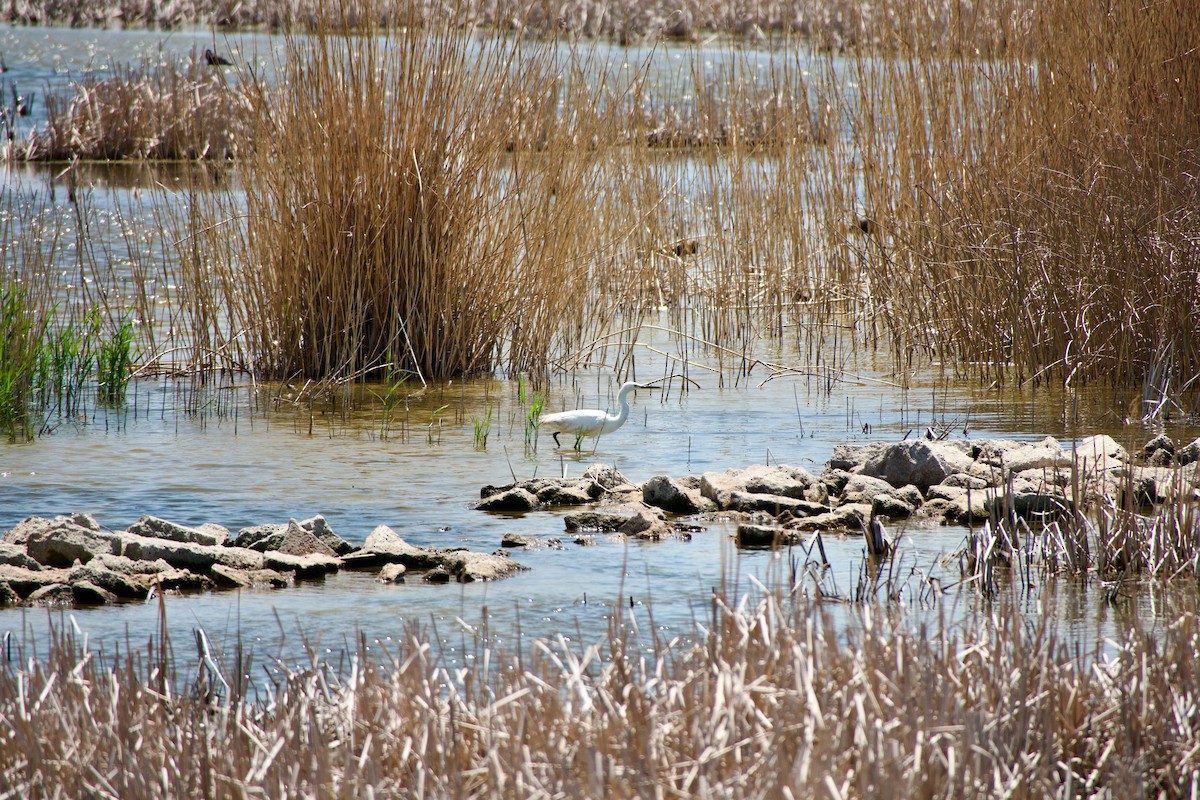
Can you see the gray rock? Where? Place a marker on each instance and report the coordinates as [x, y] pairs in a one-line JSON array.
[[609, 518], [7, 596], [311, 566], [848, 457], [271, 536], [511, 500], [15, 555], [672, 496], [919, 462], [437, 575], [835, 480], [1021, 456], [1100, 453], [61, 542], [516, 540], [863, 488], [886, 505], [1188, 454], [465, 566], [606, 476], [964, 480], [233, 578], [561, 493], [720, 486], [197, 558], [646, 525], [848, 517], [1160, 442], [52, 596], [20, 533], [773, 504], [156, 528], [86, 593], [119, 584], [392, 573], [752, 536], [298, 541], [25, 582], [781, 480]]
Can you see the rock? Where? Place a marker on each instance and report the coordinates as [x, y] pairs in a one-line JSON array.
[[515, 499], [156, 528], [1160, 442], [437, 575], [1021, 456], [7, 596], [646, 525], [566, 494], [385, 546], [86, 593], [197, 558], [863, 488], [15, 555], [233, 578], [886, 505], [516, 540], [773, 504], [61, 542], [465, 566], [919, 462], [781, 480], [606, 476], [25, 582], [610, 518], [119, 584], [835, 480], [298, 541], [1099, 453], [753, 536], [392, 573], [1188, 454], [848, 457], [20, 534], [849, 517], [963, 480], [271, 536], [1027, 504], [672, 496], [52, 595], [311, 566]]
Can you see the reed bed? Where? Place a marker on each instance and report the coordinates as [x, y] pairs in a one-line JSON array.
[[835, 24], [771, 697], [156, 110], [1036, 211]]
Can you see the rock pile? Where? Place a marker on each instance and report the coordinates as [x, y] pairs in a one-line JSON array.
[[940, 481], [72, 560]]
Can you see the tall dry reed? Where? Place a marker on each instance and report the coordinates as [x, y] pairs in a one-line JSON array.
[[771, 697]]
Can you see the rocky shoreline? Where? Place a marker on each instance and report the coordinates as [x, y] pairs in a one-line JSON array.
[[73, 560]]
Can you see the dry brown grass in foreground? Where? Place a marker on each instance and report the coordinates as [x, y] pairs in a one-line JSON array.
[[773, 701]]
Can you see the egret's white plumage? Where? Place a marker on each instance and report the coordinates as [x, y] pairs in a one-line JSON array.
[[589, 421]]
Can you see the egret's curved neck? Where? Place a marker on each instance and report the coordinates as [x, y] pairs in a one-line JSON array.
[[623, 401]]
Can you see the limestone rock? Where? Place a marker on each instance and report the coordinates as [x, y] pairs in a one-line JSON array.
[[61, 542], [156, 528], [515, 499], [672, 496], [298, 541], [392, 573], [919, 462], [20, 533]]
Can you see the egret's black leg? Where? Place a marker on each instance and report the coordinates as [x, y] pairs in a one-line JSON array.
[[557, 443]]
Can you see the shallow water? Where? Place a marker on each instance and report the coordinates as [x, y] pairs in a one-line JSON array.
[[247, 459]]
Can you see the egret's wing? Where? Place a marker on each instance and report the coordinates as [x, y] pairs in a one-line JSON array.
[[583, 421]]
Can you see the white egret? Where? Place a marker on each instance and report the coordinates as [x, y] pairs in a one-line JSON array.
[[589, 421]]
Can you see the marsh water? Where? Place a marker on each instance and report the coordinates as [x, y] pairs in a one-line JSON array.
[[238, 454]]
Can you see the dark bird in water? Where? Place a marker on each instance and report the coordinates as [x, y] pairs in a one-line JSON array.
[[215, 60]]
